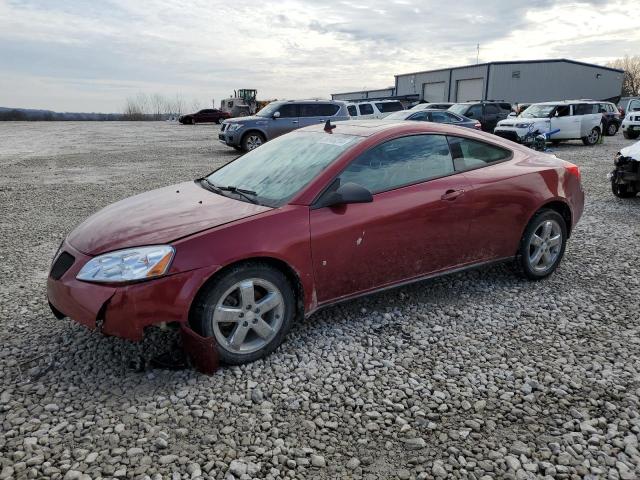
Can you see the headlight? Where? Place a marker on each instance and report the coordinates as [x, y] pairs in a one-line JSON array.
[[128, 265], [233, 127], [523, 125]]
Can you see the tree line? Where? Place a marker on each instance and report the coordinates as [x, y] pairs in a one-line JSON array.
[[631, 79], [157, 107]]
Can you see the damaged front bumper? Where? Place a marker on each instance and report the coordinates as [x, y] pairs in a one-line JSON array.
[[126, 310]]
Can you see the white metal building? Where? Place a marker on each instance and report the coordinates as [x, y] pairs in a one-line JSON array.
[[517, 81]]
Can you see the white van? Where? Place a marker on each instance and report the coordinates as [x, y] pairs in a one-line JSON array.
[[379, 109], [575, 119]]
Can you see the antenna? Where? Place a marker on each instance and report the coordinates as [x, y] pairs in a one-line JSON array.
[[478, 54]]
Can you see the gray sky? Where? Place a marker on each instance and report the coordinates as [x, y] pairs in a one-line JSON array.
[[89, 55]]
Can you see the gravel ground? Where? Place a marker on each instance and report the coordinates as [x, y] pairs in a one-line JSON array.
[[476, 375]]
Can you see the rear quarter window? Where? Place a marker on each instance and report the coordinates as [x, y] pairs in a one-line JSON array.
[[471, 154], [386, 107], [352, 110], [328, 109], [365, 109]]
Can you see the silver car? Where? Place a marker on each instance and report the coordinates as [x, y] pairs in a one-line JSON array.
[[278, 118]]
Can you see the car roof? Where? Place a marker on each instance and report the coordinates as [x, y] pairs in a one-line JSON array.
[[567, 102], [367, 128], [311, 100]]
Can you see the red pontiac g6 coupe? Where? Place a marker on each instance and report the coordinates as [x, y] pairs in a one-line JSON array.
[[311, 218]]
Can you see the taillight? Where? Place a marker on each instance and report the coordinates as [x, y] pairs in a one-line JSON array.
[[477, 126], [574, 170]]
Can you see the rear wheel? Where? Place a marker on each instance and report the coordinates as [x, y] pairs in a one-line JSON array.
[[592, 138], [193, 121], [542, 245], [612, 129], [249, 311], [623, 191], [251, 141]]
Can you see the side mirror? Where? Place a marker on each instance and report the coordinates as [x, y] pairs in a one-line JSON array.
[[276, 114], [348, 193]]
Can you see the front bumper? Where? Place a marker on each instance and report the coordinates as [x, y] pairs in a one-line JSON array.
[[631, 127], [123, 310], [513, 134], [231, 139]]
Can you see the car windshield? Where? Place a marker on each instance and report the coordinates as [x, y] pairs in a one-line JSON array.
[[401, 115], [459, 108], [538, 111], [269, 110], [279, 169]]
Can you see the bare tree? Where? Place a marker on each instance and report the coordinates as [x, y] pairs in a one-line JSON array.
[[631, 79], [159, 106], [195, 105]]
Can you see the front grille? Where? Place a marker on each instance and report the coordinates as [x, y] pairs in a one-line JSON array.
[[61, 265], [638, 118], [509, 135]]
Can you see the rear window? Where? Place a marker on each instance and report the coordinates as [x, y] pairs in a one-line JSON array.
[[365, 109], [386, 107], [352, 110]]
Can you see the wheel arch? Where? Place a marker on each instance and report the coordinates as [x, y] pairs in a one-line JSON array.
[[279, 264], [254, 130], [561, 207]]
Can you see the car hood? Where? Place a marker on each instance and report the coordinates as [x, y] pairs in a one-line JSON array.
[[249, 118], [632, 151], [158, 216]]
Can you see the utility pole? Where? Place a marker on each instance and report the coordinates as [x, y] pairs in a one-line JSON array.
[[478, 54]]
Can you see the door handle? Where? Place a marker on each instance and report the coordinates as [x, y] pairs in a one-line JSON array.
[[294, 121], [452, 194]]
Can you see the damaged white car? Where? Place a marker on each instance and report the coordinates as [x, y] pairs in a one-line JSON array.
[[569, 120], [625, 178]]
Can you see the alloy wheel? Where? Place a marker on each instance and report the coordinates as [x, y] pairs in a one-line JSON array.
[[545, 246], [253, 142], [248, 316], [612, 129], [593, 136]]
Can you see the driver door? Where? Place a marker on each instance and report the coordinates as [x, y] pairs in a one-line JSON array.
[[417, 223], [287, 121]]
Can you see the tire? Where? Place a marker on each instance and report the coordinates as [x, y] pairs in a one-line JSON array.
[[593, 137], [239, 149], [612, 129], [252, 140], [236, 296], [219, 120], [623, 191], [552, 252], [193, 121], [630, 136]]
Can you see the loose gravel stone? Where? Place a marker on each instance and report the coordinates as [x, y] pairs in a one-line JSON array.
[[475, 375]]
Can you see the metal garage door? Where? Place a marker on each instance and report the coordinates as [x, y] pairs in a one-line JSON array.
[[433, 92], [469, 89]]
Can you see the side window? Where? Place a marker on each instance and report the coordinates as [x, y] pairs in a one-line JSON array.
[[492, 109], [439, 117], [452, 118], [474, 111], [310, 110], [387, 107], [563, 111], [288, 110], [422, 116], [468, 154], [352, 110], [399, 162], [586, 108], [328, 109], [365, 109]]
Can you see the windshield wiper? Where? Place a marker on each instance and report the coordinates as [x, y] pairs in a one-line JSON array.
[[240, 191], [248, 194]]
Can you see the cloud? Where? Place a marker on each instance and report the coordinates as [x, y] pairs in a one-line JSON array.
[[94, 54]]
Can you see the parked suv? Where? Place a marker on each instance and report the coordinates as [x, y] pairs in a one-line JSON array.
[[574, 119], [631, 125], [277, 118], [611, 118], [379, 109], [208, 115], [487, 112]]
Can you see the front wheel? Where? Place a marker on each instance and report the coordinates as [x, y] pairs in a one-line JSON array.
[[623, 190], [630, 135], [542, 245], [251, 141], [592, 138], [248, 310]]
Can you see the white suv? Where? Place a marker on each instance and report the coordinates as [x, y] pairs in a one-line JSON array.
[[574, 119], [379, 109], [631, 122]]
